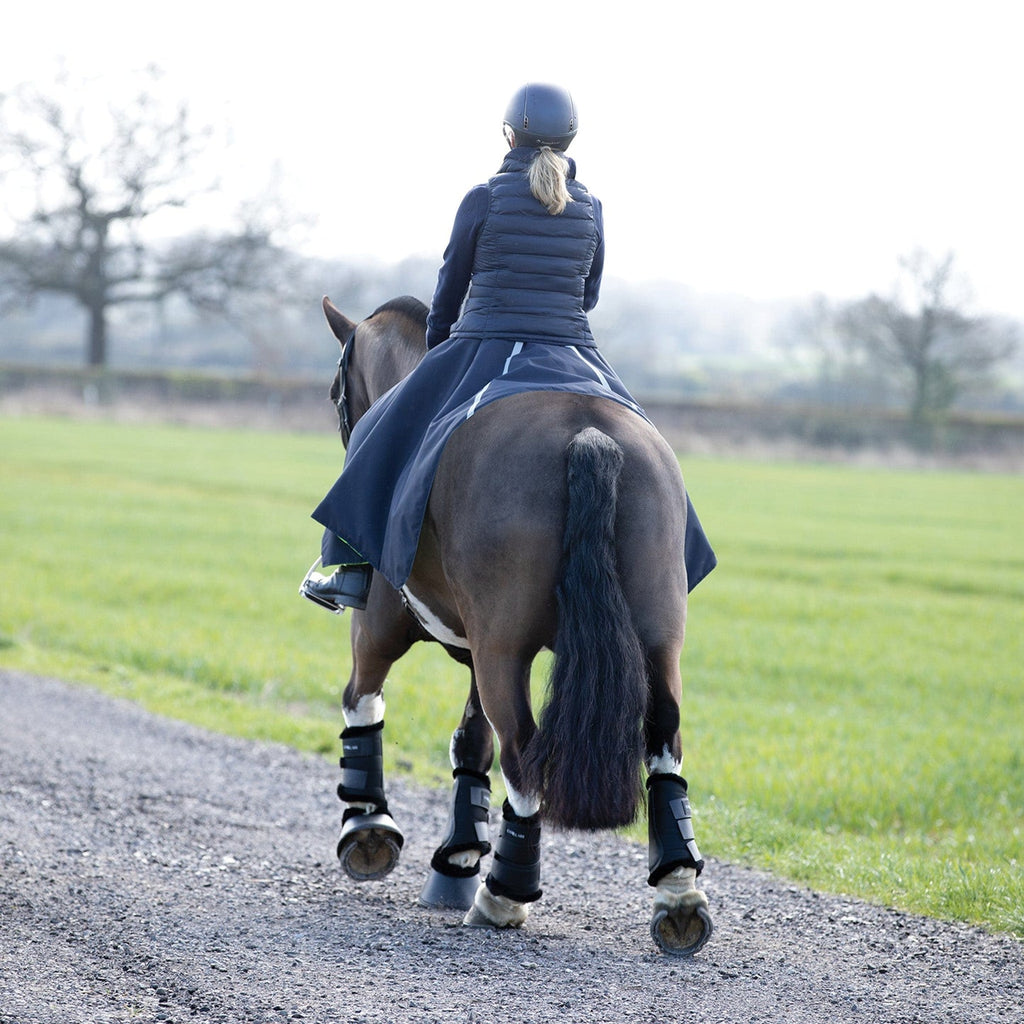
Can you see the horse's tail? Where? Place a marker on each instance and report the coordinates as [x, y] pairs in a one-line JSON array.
[[585, 757]]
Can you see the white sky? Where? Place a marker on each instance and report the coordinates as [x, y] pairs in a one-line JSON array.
[[774, 149]]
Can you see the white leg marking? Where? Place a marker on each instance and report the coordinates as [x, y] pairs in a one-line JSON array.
[[664, 764], [369, 710], [678, 890], [493, 911], [466, 859], [524, 806], [432, 624]]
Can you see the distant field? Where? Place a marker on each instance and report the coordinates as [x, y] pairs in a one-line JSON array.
[[853, 669]]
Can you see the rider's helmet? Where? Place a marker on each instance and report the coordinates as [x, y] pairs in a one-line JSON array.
[[542, 115]]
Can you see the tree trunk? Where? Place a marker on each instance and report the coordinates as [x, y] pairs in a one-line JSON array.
[[97, 351]]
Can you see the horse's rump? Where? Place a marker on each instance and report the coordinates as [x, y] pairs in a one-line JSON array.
[[501, 491], [560, 520]]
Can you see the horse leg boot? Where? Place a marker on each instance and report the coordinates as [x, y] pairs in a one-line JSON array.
[[455, 866], [514, 879], [681, 923], [370, 841]]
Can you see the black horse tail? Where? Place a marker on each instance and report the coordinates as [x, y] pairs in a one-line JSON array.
[[585, 757]]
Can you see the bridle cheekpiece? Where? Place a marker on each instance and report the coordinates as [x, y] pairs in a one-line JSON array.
[[339, 391]]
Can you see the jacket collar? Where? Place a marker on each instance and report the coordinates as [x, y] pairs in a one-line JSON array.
[[520, 158]]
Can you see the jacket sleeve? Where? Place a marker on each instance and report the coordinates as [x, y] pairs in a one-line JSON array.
[[457, 266], [592, 285]]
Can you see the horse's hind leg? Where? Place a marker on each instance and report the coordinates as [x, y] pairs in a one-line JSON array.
[[681, 923], [455, 866], [370, 841], [502, 899]]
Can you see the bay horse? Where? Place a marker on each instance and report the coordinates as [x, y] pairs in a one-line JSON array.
[[556, 520]]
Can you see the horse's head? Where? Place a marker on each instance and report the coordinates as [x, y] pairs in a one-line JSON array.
[[390, 342]]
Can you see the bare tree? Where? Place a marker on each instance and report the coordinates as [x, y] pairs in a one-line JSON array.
[[925, 338], [242, 275], [81, 183]]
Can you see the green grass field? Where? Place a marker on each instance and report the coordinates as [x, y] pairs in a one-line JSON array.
[[854, 669]]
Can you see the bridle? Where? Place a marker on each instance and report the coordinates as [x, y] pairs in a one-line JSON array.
[[340, 396]]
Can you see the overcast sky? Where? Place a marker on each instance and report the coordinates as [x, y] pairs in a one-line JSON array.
[[774, 150]]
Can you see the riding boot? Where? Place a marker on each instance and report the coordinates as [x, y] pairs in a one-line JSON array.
[[347, 587]]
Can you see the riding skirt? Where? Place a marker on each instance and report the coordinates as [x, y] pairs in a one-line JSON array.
[[378, 503]]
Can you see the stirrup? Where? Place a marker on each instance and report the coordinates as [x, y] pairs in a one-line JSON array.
[[331, 606], [347, 587]]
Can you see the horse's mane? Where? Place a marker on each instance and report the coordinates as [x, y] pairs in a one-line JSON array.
[[407, 305]]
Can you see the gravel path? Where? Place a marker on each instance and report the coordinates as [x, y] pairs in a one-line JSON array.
[[150, 871]]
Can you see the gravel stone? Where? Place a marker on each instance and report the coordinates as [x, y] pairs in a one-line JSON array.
[[151, 871]]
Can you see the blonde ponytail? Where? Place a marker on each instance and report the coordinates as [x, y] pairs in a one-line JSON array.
[[547, 180]]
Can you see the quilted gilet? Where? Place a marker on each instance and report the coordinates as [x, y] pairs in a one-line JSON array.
[[529, 266]]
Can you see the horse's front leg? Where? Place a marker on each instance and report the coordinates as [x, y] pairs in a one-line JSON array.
[[681, 923], [455, 866], [502, 899], [370, 841]]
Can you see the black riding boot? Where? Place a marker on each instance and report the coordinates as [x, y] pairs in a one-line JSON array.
[[347, 587]]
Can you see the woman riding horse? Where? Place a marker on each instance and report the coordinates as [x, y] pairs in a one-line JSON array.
[[528, 248], [555, 519]]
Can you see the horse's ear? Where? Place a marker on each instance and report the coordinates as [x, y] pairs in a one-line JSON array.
[[340, 324]]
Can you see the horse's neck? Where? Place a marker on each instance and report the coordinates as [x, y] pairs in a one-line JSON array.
[[394, 358]]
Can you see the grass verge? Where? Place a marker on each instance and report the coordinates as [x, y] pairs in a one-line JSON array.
[[852, 671]]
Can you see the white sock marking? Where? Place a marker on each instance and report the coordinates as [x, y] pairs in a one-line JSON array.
[[369, 710], [524, 806], [664, 763]]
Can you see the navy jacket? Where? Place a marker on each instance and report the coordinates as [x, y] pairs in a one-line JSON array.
[[530, 276]]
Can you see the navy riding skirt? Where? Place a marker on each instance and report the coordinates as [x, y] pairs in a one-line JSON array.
[[378, 503]]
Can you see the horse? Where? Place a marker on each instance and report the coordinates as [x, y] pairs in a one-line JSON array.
[[555, 521]]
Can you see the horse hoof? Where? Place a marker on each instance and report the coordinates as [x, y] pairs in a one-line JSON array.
[[369, 846], [442, 892], [682, 931], [490, 911], [475, 919]]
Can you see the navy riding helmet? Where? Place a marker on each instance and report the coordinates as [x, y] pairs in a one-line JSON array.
[[542, 115]]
